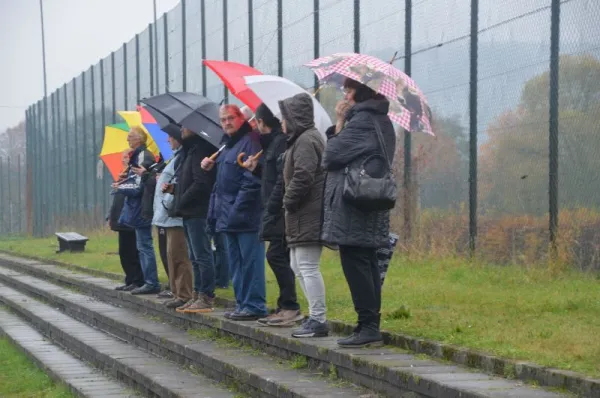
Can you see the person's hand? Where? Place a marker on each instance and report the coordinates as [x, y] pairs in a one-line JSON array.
[[340, 110], [157, 177], [114, 185], [168, 188], [138, 170], [250, 163], [207, 164]]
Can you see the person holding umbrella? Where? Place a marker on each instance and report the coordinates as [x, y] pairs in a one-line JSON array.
[[235, 209]]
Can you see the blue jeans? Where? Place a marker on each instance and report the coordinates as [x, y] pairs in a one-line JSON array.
[[200, 252], [143, 241], [221, 260], [247, 261]]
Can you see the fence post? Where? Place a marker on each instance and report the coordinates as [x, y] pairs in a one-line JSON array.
[[84, 135], [151, 44], [184, 46], [356, 26], [37, 171], [124, 76], [68, 186], [280, 37], [2, 199], [94, 143], [250, 33], [407, 137], [53, 160], [166, 28], [225, 48], [28, 192], [103, 123], [76, 167], [113, 86], [316, 40], [473, 128], [58, 157], [203, 44], [137, 68], [10, 201], [553, 131], [20, 196]]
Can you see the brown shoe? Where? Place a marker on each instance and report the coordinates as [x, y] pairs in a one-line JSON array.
[[189, 302], [175, 303], [286, 318], [202, 305], [264, 321]]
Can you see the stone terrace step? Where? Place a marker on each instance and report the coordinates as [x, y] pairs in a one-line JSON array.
[[257, 372], [82, 379], [142, 370], [384, 370]]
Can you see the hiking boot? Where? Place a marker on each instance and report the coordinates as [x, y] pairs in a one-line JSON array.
[[188, 303], [146, 289], [245, 316], [203, 304], [362, 337], [285, 318], [311, 328], [165, 294], [175, 303]]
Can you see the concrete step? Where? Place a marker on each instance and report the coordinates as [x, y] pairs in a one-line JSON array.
[[385, 370], [82, 379], [152, 376], [252, 371]]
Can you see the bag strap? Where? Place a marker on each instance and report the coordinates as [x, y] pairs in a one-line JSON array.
[[380, 139]]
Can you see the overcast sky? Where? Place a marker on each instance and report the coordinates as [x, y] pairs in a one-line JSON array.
[[78, 34]]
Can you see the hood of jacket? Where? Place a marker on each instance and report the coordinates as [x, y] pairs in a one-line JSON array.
[[299, 114]]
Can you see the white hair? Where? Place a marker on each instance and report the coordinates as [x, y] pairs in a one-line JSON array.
[[247, 112]]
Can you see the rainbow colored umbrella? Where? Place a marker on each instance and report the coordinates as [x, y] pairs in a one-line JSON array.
[[157, 134]]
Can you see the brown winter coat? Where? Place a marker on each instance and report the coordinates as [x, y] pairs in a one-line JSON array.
[[303, 174]]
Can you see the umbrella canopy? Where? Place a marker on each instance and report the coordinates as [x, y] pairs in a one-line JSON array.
[[191, 111], [133, 118], [115, 142], [232, 74], [408, 106], [272, 89], [155, 131]]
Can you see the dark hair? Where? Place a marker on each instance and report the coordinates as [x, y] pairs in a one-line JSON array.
[[362, 92], [264, 113]]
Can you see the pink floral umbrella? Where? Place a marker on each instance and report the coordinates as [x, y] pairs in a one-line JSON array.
[[408, 106]]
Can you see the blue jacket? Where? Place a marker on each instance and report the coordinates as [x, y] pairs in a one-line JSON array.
[[163, 201], [235, 203], [133, 189]]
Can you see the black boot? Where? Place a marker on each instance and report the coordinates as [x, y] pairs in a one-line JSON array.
[[362, 337]]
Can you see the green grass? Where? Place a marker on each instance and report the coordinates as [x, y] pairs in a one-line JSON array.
[[20, 378], [550, 318]]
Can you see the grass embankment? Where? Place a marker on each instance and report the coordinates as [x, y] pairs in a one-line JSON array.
[[20, 378], [550, 318]]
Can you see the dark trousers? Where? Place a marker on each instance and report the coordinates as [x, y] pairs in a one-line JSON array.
[[162, 248], [278, 257], [200, 253], [221, 260], [130, 258], [362, 274]]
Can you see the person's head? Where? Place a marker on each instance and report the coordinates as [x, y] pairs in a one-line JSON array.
[[265, 120], [186, 133], [297, 113], [173, 142], [125, 157], [231, 118], [355, 92], [136, 137], [249, 116]]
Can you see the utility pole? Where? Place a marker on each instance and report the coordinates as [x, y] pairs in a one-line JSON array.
[[43, 49]]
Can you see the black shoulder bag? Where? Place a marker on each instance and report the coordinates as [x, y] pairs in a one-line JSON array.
[[369, 193]]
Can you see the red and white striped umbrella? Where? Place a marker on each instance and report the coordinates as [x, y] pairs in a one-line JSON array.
[[408, 106]]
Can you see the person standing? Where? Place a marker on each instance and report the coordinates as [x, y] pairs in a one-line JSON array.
[[132, 188], [191, 197], [304, 180], [361, 116], [273, 142], [235, 209], [128, 252]]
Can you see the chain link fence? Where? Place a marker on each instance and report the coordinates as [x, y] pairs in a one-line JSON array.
[[487, 184]]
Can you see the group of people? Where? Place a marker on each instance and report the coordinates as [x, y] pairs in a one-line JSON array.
[[290, 196]]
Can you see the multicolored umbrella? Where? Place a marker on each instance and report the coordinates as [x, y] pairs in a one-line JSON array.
[[232, 74], [158, 135], [408, 106]]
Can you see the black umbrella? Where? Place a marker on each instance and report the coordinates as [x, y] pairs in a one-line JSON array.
[[167, 125], [191, 111]]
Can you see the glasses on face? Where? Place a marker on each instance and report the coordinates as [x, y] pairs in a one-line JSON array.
[[229, 118]]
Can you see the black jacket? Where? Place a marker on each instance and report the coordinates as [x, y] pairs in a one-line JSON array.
[[273, 145], [115, 212], [193, 185], [149, 181]]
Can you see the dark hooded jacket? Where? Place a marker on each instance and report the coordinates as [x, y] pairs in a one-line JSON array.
[[344, 224], [133, 190], [118, 201], [303, 174]]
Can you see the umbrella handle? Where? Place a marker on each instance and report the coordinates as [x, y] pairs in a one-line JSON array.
[[214, 155], [241, 155]]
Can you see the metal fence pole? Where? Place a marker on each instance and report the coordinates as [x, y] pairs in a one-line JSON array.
[[2, 199], [59, 158], [225, 48], [10, 200], [102, 124], [113, 86], [38, 176], [42, 156], [356, 26], [53, 160], [20, 196], [203, 44], [28, 192], [137, 69], [184, 46], [166, 34], [280, 37], [553, 128], [76, 168], [68, 187], [124, 76], [407, 136], [250, 33], [316, 40], [84, 135], [95, 150], [151, 44], [473, 128]]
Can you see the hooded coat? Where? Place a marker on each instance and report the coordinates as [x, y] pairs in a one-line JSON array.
[[303, 174]]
